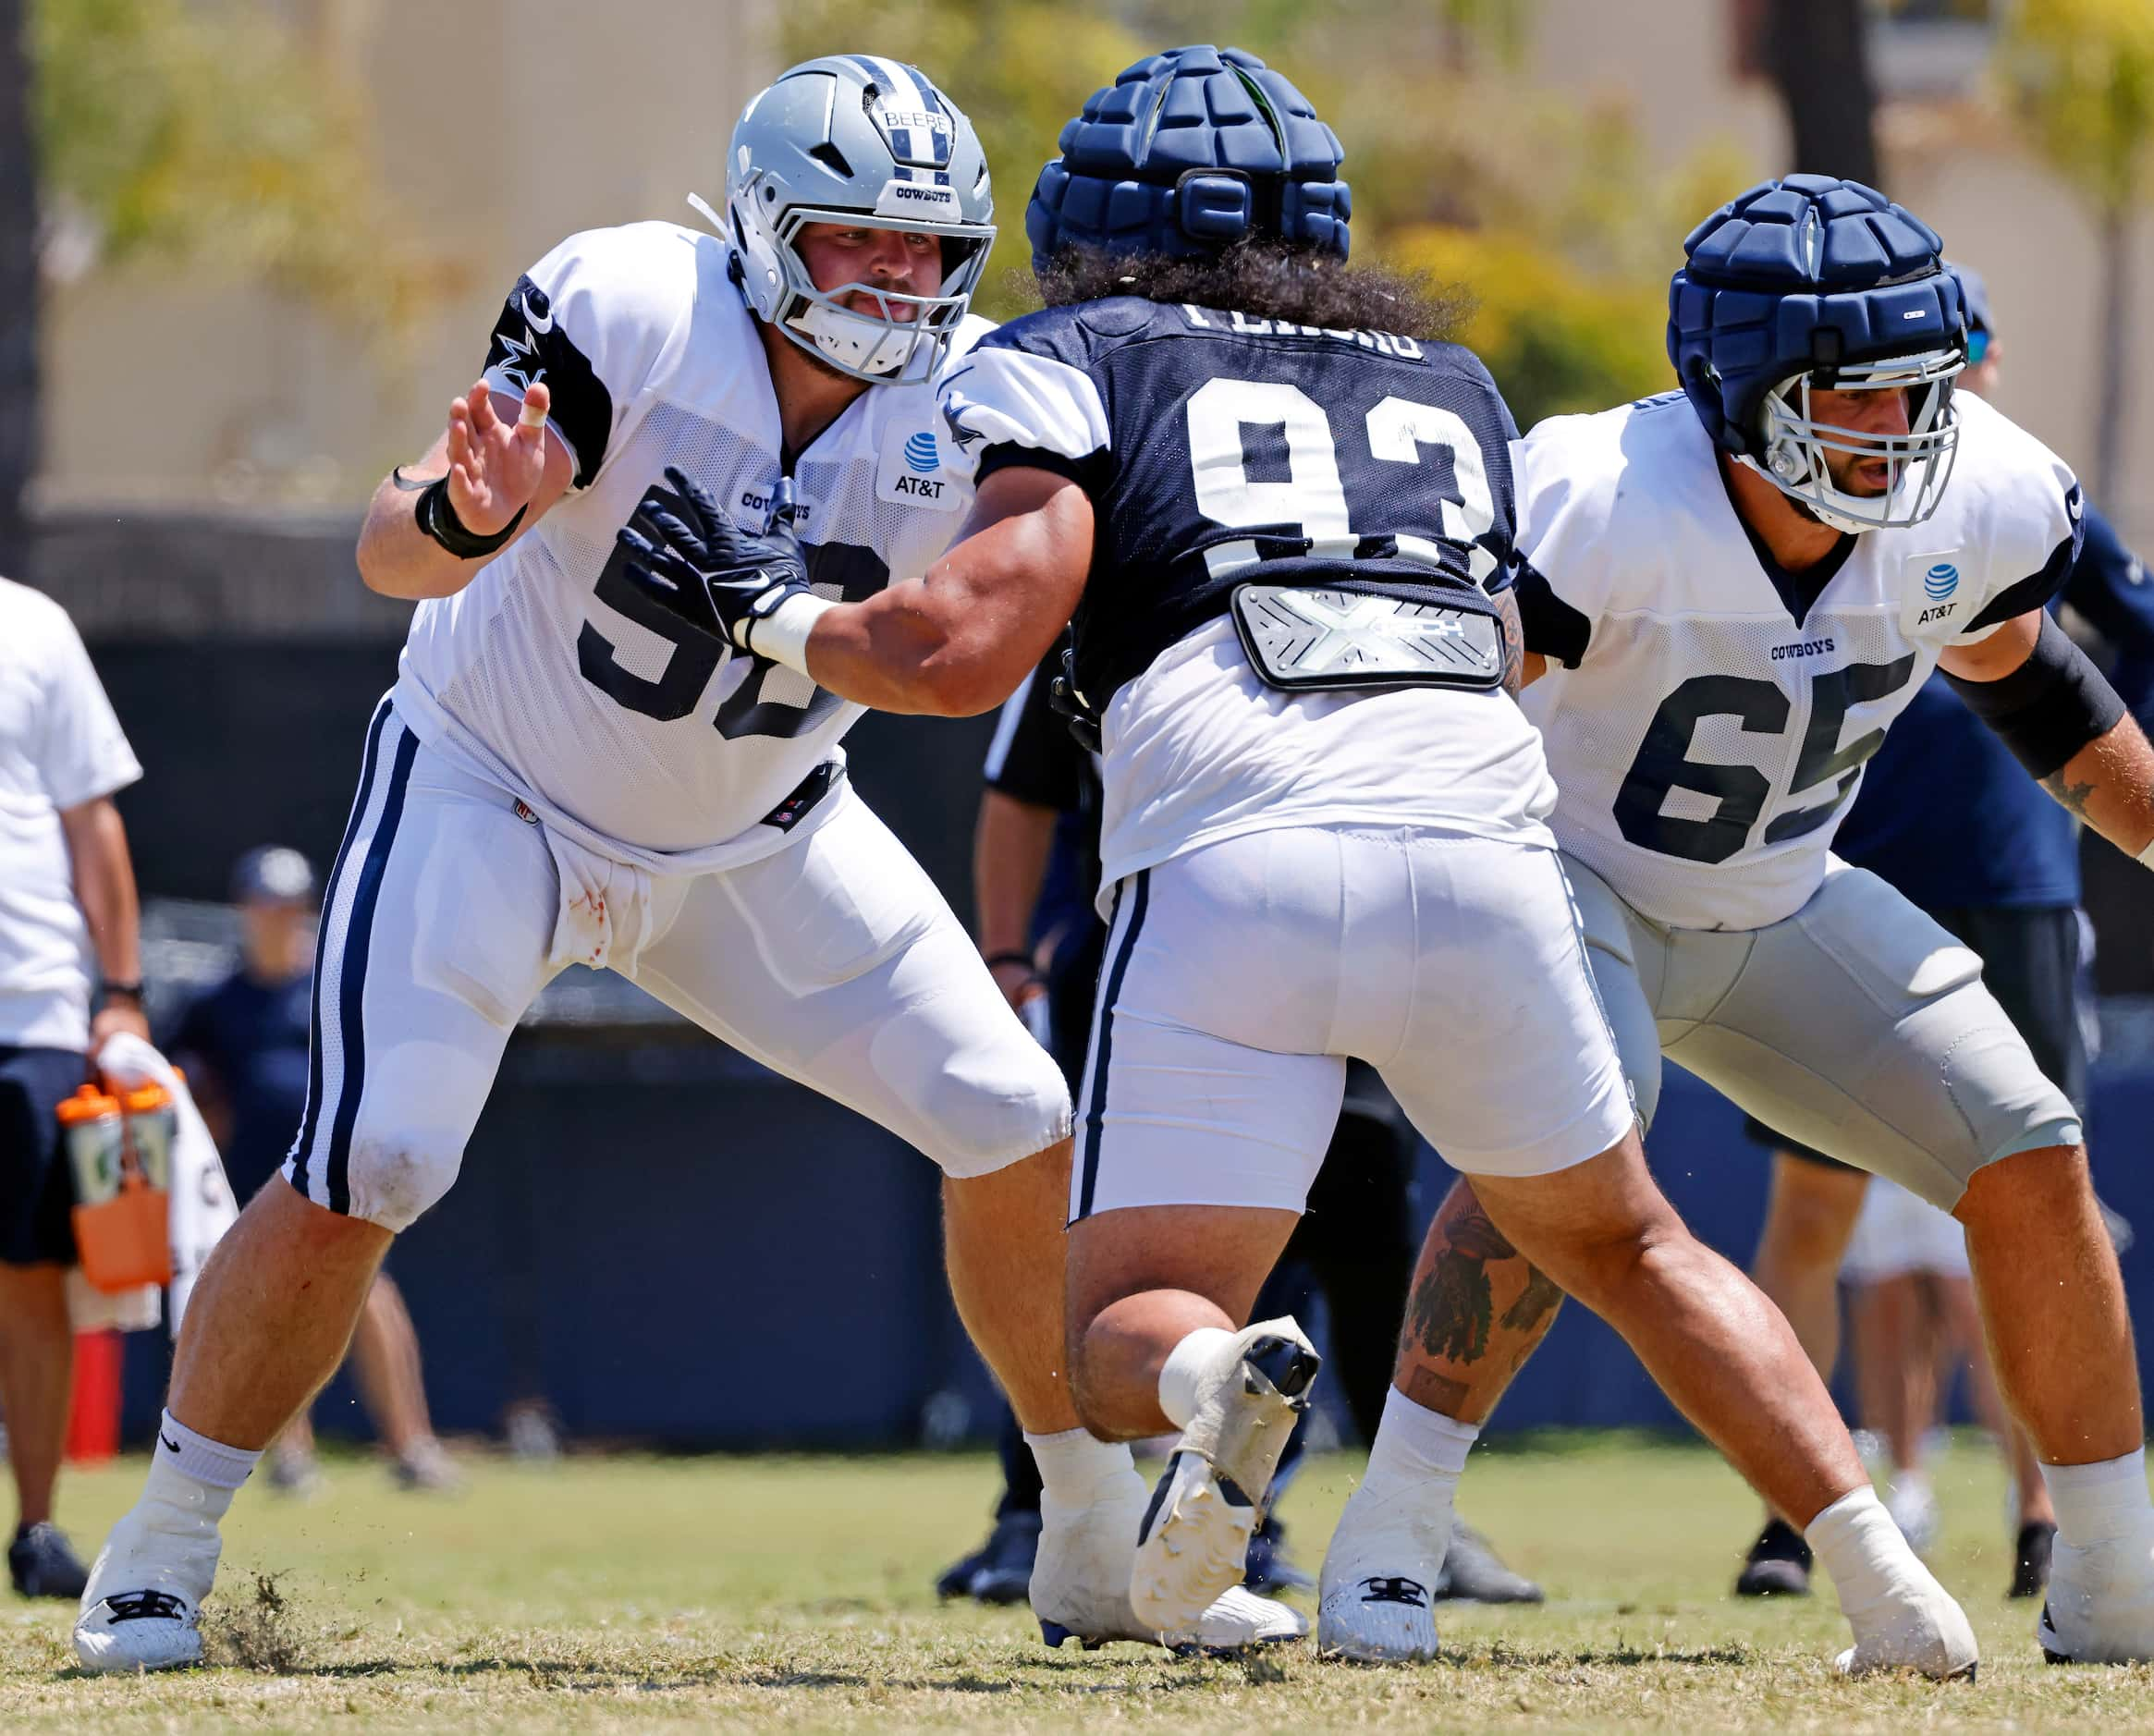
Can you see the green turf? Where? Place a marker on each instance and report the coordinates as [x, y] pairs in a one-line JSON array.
[[793, 1593]]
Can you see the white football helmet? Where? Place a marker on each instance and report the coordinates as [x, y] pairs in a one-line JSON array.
[[857, 140]]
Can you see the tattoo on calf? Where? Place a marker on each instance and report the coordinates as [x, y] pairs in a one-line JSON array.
[[1535, 1302], [2072, 796], [1452, 1308]]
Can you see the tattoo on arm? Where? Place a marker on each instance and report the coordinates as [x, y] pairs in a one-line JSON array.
[[2072, 796], [412, 484], [1513, 630]]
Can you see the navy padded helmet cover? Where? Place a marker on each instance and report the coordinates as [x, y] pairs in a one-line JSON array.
[[1802, 273], [1185, 154]]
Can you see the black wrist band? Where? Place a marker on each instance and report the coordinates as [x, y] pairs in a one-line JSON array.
[[1013, 955], [121, 991], [437, 516]]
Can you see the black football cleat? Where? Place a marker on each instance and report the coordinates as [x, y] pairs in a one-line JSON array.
[[43, 1565], [2030, 1563], [1474, 1573], [1778, 1565], [1270, 1571]]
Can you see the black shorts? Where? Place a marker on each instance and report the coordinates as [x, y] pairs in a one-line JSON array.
[[2030, 962], [36, 1191]]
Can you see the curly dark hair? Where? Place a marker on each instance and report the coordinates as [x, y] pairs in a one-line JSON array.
[[1266, 280]]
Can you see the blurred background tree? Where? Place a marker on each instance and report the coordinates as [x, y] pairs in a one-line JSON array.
[[203, 133], [2080, 76], [1816, 53], [18, 286]]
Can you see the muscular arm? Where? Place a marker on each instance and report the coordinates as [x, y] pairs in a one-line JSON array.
[[2110, 782], [960, 639], [494, 467], [104, 887]]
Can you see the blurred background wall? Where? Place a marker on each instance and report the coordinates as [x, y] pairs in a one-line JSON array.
[[249, 248]]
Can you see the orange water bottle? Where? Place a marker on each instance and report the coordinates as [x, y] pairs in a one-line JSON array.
[[96, 1139], [149, 1122]]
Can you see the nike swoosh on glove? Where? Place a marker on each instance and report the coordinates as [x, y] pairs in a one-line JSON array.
[[699, 564]]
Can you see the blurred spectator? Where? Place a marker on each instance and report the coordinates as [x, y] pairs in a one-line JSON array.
[[1952, 819], [243, 1045], [66, 894], [1914, 1323], [1036, 873]]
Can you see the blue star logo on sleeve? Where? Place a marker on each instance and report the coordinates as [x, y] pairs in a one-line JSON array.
[[963, 435], [518, 357]]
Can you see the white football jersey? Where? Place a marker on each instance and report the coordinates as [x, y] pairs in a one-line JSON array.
[[551, 675], [1706, 729]]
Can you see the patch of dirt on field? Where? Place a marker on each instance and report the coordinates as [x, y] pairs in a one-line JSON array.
[[265, 1633]]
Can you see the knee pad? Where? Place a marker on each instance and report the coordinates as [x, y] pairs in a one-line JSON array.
[[386, 1179], [1010, 1103]]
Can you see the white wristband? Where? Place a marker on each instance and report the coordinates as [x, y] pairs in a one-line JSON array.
[[782, 635]]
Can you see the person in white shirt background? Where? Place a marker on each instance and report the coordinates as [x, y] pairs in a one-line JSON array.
[[67, 919]]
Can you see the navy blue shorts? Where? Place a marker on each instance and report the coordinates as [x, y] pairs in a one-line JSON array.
[[36, 1191]]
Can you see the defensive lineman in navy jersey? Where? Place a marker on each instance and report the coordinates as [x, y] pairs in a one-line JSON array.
[[1286, 541], [1737, 588]]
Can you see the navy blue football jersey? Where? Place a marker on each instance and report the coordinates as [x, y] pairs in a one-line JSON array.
[[1220, 448]]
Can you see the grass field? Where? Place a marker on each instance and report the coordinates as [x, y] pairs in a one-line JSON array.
[[794, 1594]]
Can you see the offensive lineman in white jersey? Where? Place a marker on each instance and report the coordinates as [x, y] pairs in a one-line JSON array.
[[1287, 537], [1736, 588], [563, 773]]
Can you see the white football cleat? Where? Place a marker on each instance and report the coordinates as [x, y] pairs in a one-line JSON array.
[[1375, 1600], [1917, 1626], [2100, 1608], [143, 1607], [1195, 1540], [1081, 1584]]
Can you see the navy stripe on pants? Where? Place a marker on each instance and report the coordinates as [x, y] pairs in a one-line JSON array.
[[303, 1144], [1110, 989]]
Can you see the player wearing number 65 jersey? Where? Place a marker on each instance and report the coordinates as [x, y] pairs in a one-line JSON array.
[[567, 773], [1285, 533], [1737, 588]]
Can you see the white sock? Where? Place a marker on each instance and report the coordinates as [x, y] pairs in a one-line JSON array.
[[1418, 1448], [1196, 1356], [1862, 1548], [2098, 1503], [1074, 1466], [194, 1473]]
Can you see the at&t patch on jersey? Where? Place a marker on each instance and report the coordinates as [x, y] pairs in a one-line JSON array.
[[1932, 598], [914, 469]]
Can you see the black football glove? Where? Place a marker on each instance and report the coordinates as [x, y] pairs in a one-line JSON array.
[[716, 574]]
